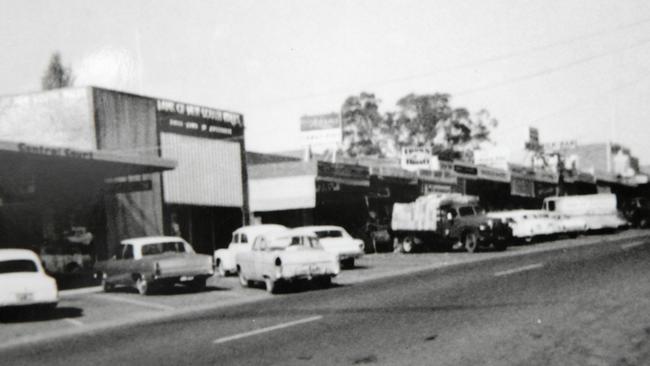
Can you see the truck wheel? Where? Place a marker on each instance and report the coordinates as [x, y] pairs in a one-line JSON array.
[[408, 244], [142, 285], [470, 242]]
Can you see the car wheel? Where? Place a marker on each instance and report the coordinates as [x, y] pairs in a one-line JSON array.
[[347, 263], [106, 286], [220, 269], [325, 282], [142, 285], [242, 279], [271, 285], [471, 242], [408, 244]]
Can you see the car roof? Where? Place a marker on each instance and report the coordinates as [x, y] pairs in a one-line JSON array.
[[151, 240], [258, 229], [287, 234], [9, 254], [319, 227]]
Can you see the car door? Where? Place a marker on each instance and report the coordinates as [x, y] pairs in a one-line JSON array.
[[119, 271]]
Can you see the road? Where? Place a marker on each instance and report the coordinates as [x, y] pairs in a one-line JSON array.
[[582, 306]]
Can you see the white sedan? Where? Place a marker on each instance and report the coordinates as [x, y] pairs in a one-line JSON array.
[[281, 258], [23, 281], [242, 238], [337, 241]]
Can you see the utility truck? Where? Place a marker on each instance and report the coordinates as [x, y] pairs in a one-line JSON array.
[[444, 221], [597, 211]]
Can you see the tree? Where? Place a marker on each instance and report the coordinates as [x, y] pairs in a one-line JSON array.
[[56, 76], [420, 120]]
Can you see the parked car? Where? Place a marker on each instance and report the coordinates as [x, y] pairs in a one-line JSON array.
[[242, 238], [528, 224], [155, 262], [336, 240], [23, 282], [65, 258], [285, 257]]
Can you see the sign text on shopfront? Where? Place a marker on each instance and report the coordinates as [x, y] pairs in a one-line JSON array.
[[54, 151]]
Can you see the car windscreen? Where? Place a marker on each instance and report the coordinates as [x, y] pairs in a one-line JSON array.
[[329, 234], [466, 211], [18, 265], [160, 248]]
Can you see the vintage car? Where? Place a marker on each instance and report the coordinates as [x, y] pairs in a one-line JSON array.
[[528, 224], [242, 238], [336, 240], [285, 257], [154, 262], [65, 258], [23, 282]]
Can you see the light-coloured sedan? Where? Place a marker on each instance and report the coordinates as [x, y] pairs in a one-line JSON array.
[[528, 224], [242, 238], [337, 241], [281, 258], [23, 282]]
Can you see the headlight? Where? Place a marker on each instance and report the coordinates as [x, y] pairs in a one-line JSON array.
[[490, 223], [482, 227]]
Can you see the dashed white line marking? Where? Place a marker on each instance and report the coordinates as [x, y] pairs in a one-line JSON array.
[[265, 330], [520, 269], [633, 244], [74, 322], [135, 302]]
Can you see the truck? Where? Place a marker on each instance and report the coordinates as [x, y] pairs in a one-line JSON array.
[[447, 221], [598, 211]]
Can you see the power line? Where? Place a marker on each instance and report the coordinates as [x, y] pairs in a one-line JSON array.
[[477, 63], [550, 70]]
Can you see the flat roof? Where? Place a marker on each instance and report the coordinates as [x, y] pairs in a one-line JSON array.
[[104, 162]]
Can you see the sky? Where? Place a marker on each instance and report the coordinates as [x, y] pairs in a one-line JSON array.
[[574, 69]]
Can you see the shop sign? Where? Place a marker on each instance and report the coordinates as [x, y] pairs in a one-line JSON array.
[[417, 158], [64, 152], [325, 186], [128, 187], [543, 190], [522, 187], [339, 170], [193, 120], [441, 176], [466, 170], [546, 176], [426, 188], [493, 174], [585, 178]]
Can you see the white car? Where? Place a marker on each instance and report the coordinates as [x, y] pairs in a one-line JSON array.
[[528, 224], [23, 281], [285, 257], [242, 238], [337, 241]]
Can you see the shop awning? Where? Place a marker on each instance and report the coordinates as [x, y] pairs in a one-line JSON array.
[[68, 159]]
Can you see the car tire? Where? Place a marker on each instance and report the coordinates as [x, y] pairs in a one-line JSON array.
[[142, 285], [198, 284], [408, 244], [220, 269], [242, 279], [347, 263], [106, 286], [470, 242], [271, 285]]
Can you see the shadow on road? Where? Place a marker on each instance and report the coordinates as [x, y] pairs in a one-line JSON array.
[[175, 290], [38, 314]]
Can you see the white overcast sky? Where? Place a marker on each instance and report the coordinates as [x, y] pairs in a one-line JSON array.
[[576, 69]]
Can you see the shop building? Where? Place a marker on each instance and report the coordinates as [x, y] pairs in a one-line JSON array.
[[119, 165]]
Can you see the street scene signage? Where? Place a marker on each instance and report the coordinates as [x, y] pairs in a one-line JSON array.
[[418, 158], [188, 119]]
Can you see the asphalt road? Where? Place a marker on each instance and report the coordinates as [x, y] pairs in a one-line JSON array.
[[582, 306]]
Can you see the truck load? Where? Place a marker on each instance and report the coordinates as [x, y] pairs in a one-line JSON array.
[[446, 220], [597, 211]]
